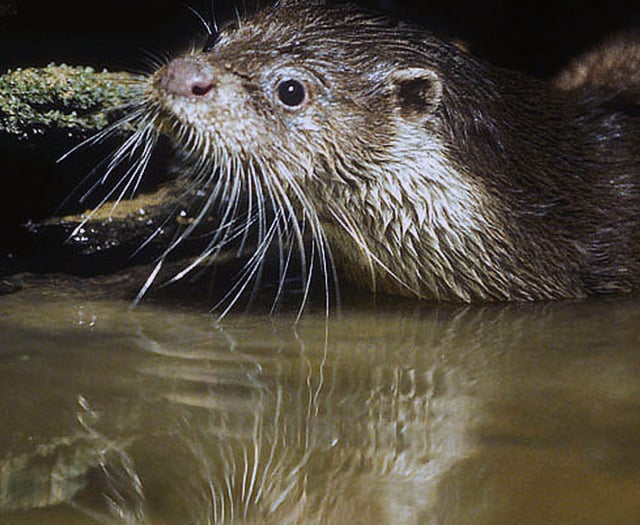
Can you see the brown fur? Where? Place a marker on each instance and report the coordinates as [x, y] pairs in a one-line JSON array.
[[613, 65], [422, 170]]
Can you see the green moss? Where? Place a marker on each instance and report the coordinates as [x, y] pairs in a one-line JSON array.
[[73, 99]]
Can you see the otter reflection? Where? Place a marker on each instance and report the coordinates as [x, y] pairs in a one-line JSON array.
[[440, 415], [302, 430]]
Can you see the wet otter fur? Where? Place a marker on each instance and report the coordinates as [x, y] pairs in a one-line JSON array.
[[415, 168], [613, 66]]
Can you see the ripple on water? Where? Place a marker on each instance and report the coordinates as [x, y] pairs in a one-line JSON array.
[[388, 414]]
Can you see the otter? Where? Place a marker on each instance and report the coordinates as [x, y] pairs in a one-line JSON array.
[[613, 65], [415, 168]]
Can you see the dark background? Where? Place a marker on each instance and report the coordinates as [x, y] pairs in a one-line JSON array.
[[538, 38]]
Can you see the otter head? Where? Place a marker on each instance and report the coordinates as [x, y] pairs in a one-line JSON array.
[[302, 84], [335, 117]]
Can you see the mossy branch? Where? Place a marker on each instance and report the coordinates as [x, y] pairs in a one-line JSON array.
[[74, 100]]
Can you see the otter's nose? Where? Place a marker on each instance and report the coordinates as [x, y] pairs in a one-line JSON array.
[[186, 77]]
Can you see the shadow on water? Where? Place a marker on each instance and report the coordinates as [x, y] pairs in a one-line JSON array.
[[492, 414]]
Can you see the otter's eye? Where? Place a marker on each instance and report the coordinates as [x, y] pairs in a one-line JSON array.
[[291, 92]]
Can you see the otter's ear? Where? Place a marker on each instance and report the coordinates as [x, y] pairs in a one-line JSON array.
[[418, 90]]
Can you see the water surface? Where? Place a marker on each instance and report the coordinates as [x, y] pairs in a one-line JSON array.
[[392, 413]]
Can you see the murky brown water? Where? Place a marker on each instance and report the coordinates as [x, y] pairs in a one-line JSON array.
[[394, 414]]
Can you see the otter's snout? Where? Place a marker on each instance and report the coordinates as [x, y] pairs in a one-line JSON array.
[[186, 77]]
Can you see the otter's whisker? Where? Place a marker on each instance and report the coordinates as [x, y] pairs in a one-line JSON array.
[[131, 116], [358, 238], [283, 202], [318, 242], [152, 60], [212, 250], [250, 269], [147, 284], [133, 176], [258, 193], [253, 192], [137, 116], [212, 199], [152, 236], [207, 26], [138, 168], [284, 259], [128, 149], [283, 236]]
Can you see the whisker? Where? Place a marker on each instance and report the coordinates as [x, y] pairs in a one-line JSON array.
[[139, 168], [111, 128], [249, 271], [146, 128], [214, 20], [210, 251], [201, 19], [372, 260], [153, 60], [133, 176]]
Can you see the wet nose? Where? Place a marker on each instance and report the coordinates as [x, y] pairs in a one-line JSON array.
[[186, 77]]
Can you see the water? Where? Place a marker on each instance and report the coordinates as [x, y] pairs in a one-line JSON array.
[[387, 414]]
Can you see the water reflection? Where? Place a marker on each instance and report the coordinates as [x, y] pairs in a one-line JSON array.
[[393, 414]]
